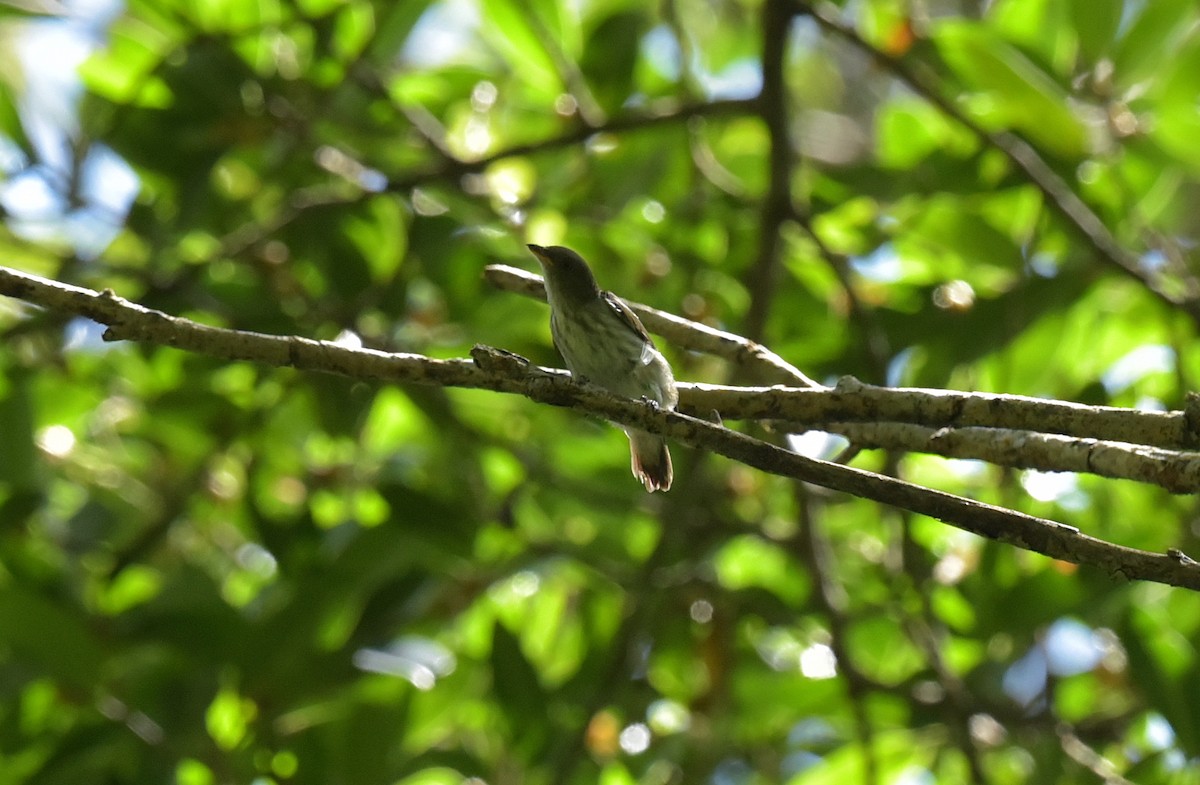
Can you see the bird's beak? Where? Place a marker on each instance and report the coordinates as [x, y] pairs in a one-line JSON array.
[[540, 253]]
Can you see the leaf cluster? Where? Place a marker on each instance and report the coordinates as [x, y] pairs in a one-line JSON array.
[[219, 572]]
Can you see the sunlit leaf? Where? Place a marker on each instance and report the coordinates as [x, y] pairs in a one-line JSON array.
[[1023, 95], [1155, 30], [215, 570], [522, 40], [1096, 23]]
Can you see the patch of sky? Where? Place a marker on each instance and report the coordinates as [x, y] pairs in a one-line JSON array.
[[82, 334], [1025, 679], [1044, 265], [881, 265], [443, 34], [1061, 488], [1153, 261], [1068, 648], [661, 50], [898, 366], [817, 444], [1072, 647], [1137, 364], [39, 196], [740, 79]]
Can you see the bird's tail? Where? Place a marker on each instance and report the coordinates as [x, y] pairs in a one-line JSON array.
[[650, 460]]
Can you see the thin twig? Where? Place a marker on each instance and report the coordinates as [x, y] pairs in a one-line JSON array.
[[818, 557], [1079, 751], [777, 203], [876, 345], [670, 113], [1058, 193], [448, 168]]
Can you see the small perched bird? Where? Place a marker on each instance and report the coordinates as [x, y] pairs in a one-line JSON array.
[[603, 343]]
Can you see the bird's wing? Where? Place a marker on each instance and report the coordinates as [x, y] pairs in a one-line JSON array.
[[627, 316]]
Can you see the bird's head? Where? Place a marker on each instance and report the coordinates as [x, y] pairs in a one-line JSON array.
[[567, 276]]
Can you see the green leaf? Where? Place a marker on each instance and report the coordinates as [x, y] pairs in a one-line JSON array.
[[1151, 38], [958, 241], [232, 16], [512, 29], [122, 72], [1041, 28], [394, 24], [1096, 22], [909, 130], [610, 56], [380, 235], [1018, 93], [677, 672], [883, 650], [319, 8], [750, 561], [11, 125], [49, 638], [1163, 660], [1177, 128], [18, 458], [435, 776], [353, 30], [228, 718], [518, 690], [894, 752]]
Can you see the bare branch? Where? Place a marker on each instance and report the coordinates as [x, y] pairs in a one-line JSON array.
[[1178, 472], [1008, 430], [814, 405], [853, 401], [504, 372]]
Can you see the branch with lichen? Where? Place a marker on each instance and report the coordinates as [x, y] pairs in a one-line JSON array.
[[500, 371], [1007, 430]]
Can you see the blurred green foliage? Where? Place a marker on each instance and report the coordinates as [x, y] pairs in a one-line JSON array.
[[223, 573]]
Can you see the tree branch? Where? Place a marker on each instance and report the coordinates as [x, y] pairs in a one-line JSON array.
[[448, 168], [762, 280], [505, 372], [852, 401], [1057, 192], [1178, 472], [1009, 430], [581, 133]]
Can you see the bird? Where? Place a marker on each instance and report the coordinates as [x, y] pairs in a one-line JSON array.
[[604, 343]]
